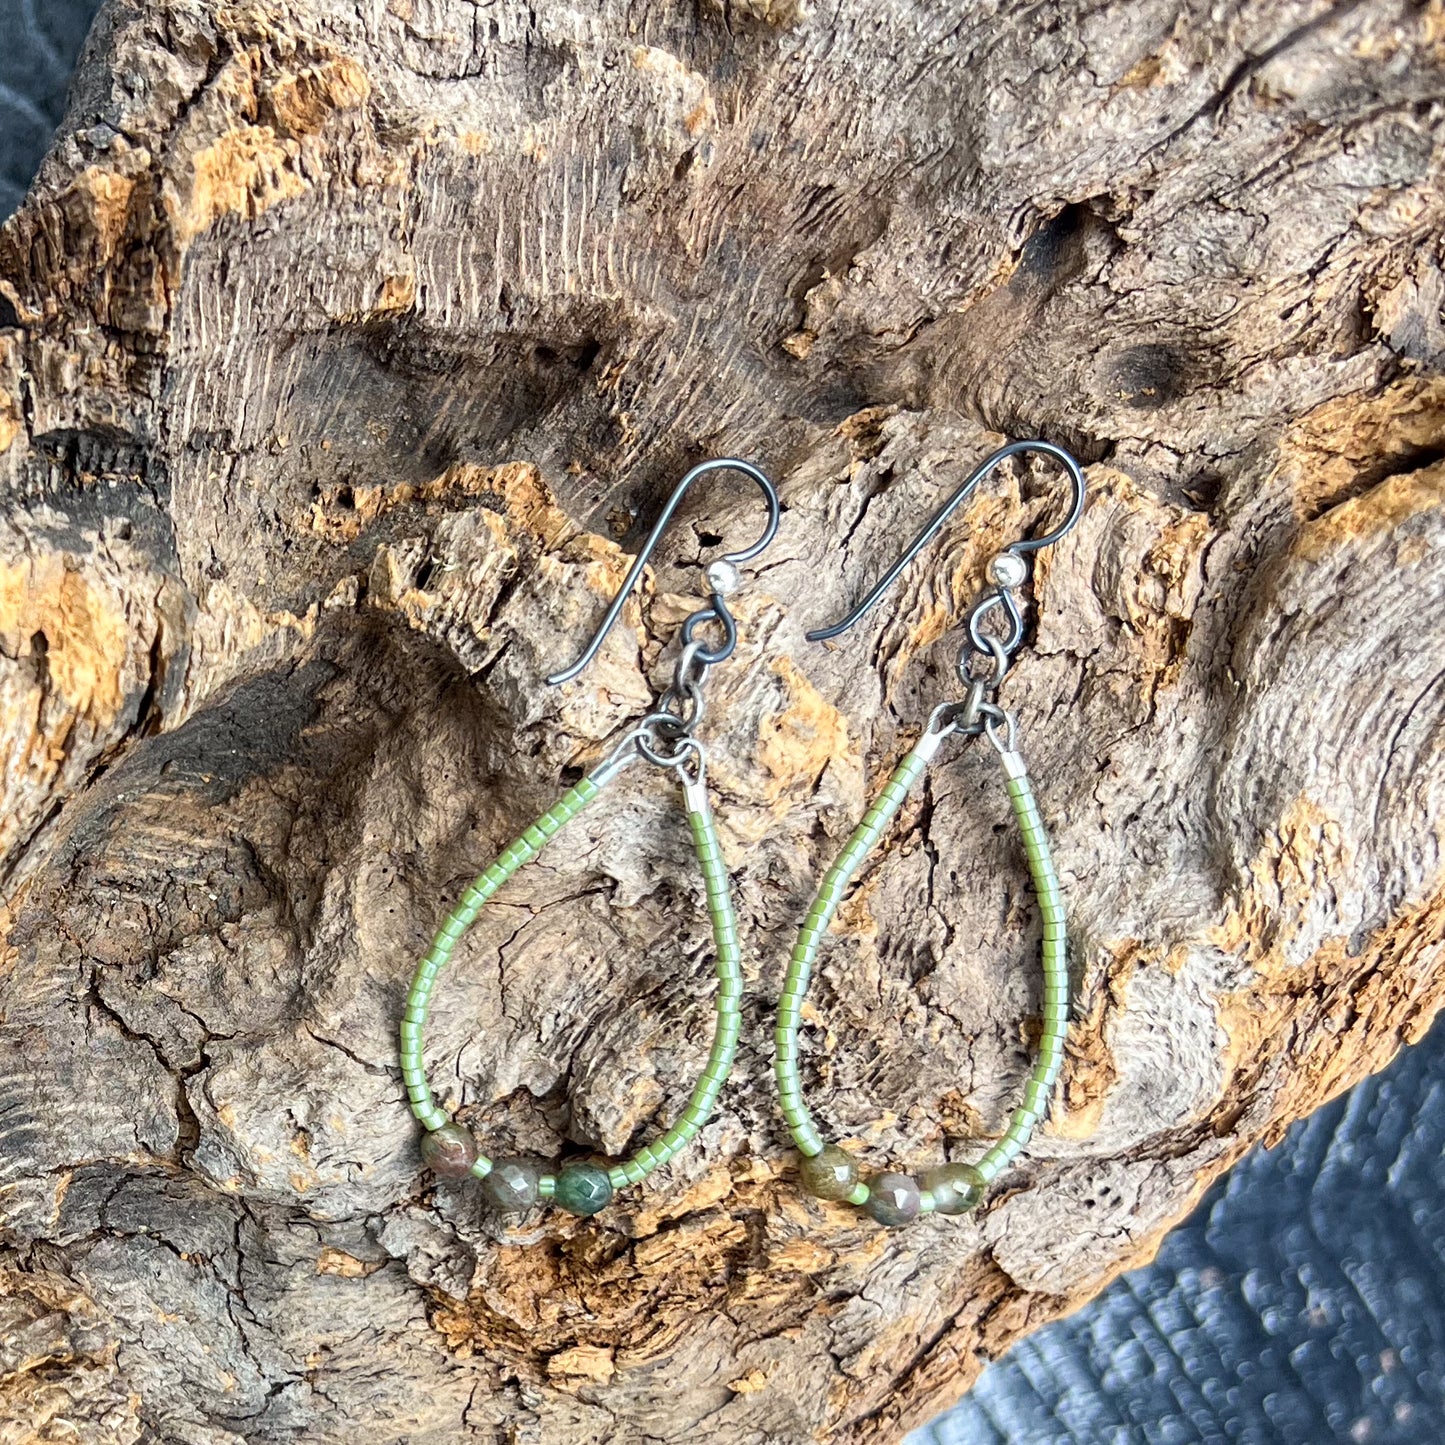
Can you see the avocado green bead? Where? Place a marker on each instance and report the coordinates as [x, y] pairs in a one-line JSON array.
[[449, 1151], [512, 1186], [893, 1198], [956, 1188], [582, 1189], [829, 1174]]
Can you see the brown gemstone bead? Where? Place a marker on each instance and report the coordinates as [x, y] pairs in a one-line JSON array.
[[831, 1174], [893, 1198], [512, 1186], [449, 1151]]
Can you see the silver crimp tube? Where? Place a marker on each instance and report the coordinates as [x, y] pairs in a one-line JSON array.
[[624, 754]]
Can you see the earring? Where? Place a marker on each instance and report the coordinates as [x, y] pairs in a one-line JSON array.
[[828, 1172], [665, 738]]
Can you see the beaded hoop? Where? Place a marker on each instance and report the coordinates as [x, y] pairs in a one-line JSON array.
[[955, 1188], [828, 1171], [517, 1184], [664, 738]]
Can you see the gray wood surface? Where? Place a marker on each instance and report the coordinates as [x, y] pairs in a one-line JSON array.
[[343, 350]]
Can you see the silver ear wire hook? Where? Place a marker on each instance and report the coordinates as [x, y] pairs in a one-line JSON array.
[[1004, 573], [718, 577]]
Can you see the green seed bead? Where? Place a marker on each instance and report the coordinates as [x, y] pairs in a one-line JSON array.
[[956, 1188], [453, 926], [449, 1151], [582, 1189], [893, 1198], [829, 1175], [810, 937], [728, 1025], [514, 1185]]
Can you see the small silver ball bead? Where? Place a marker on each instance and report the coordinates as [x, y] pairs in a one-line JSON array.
[[722, 577], [1008, 569]]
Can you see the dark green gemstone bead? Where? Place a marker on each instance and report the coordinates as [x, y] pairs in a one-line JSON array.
[[449, 1151], [893, 1198], [831, 1174], [956, 1188], [582, 1189], [511, 1187]]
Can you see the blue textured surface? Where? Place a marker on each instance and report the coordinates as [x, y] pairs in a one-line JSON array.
[[1303, 1302], [1300, 1305], [39, 40]]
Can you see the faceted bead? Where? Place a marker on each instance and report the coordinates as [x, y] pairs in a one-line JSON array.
[[449, 1151], [582, 1189], [956, 1188], [511, 1187], [892, 1198], [831, 1174]]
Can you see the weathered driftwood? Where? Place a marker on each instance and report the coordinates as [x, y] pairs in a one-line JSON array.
[[343, 346]]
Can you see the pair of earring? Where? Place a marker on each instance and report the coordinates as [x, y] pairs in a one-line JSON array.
[[665, 737]]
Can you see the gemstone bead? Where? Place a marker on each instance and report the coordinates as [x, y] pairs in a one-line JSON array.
[[511, 1187], [956, 1188], [582, 1189], [830, 1174], [449, 1151], [893, 1198]]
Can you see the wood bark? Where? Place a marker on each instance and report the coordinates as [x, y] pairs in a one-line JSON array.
[[344, 350]]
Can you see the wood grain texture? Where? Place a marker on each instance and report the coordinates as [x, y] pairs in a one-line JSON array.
[[343, 350]]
